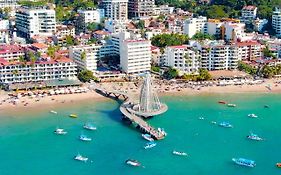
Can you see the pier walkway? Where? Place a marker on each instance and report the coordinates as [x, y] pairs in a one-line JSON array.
[[128, 114]]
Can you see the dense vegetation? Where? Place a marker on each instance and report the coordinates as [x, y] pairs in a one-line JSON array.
[[203, 75], [86, 76], [173, 39], [247, 68], [203, 36], [171, 73]]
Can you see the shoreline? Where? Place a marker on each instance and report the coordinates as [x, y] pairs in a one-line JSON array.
[[49, 103]]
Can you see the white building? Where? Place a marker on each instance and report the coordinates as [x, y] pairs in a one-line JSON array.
[[89, 16], [86, 57], [140, 8], [216, 55], [4, 24], [233, 31], [35, 21], [165, 9], [249, 13], [43, 70], [116, 9], [276, 21], [249, 51], [214, 26], [114, 26], [11, 52], [195, 25], [11, 4], [182, 58], [135, 56], [259, 24]]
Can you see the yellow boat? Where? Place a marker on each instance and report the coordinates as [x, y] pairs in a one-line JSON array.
[[73, 115]]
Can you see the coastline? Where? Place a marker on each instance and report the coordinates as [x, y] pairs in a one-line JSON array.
[[49, 103]]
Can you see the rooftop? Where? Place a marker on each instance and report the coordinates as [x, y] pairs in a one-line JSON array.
[[249, 7], [10, 49]]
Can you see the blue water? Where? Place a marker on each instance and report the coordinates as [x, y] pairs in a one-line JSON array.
[[28, 145]]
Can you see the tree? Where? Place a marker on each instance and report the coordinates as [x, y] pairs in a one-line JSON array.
[[51, 51], [247, 68], [268, 53], [86, 76], [203, 36], [83, 55], [173, 39], [140, 24], [69, 40], [171, 73], [155, 68], [203, 75], [92, 26]]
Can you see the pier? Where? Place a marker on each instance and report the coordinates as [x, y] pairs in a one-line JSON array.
[[149, 105]]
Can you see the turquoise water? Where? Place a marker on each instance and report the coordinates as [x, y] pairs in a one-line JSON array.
[[28, 145]]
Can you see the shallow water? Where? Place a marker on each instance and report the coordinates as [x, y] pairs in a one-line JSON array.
[[28, 145]]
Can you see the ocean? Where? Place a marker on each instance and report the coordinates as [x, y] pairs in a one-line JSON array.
[[28, 145]]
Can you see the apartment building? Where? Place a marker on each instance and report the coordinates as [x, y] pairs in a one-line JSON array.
[[41, 70], [249, 51], [116, 9], [88, 16], [183, 58], [11, 52], [135, 56], [216, 55], [86, 56], [249, 13], [140, 8], [276, 21], [62, 31], [32, 21], [195, 25]]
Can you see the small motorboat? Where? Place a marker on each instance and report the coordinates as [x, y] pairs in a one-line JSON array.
[[278, 165], [179, 153], [85, 138], [201, 118], [79, 157], [214, 122], [147, 137], [253, 136], [133, 162], [88, 126], [225, 125], [162, 131], [222, 102], [252, 115], [54, 112], [244, 162], [231, 105], [266, 106], [73, 116], [60, 131], [150, 145]]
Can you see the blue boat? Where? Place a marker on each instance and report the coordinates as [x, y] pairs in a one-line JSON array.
[[150, 145], [244, 162], [225, 124]]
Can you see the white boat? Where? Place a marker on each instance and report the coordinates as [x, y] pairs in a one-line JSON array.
[[85, 138], [60, 131], [244, 162], [88, 126], [133, 162], [179, 153], [162, 131], [231, 105], [147, 137], [213, 122], [252, 115], [201, 118], [79, 157], [150, 145], [54, 112], [253, 136]]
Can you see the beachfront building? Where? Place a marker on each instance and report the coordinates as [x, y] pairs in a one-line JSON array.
[[195, 25], [249, 13], [276, 21], [140, 8], [115, 9], [135, 56], [11, 52], [32, 21], [41, 70], [88, 16], [216, 55], [85, 56], [183, 58], [249, 50]]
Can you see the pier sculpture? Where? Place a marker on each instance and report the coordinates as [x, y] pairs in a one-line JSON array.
[[148, 105]]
